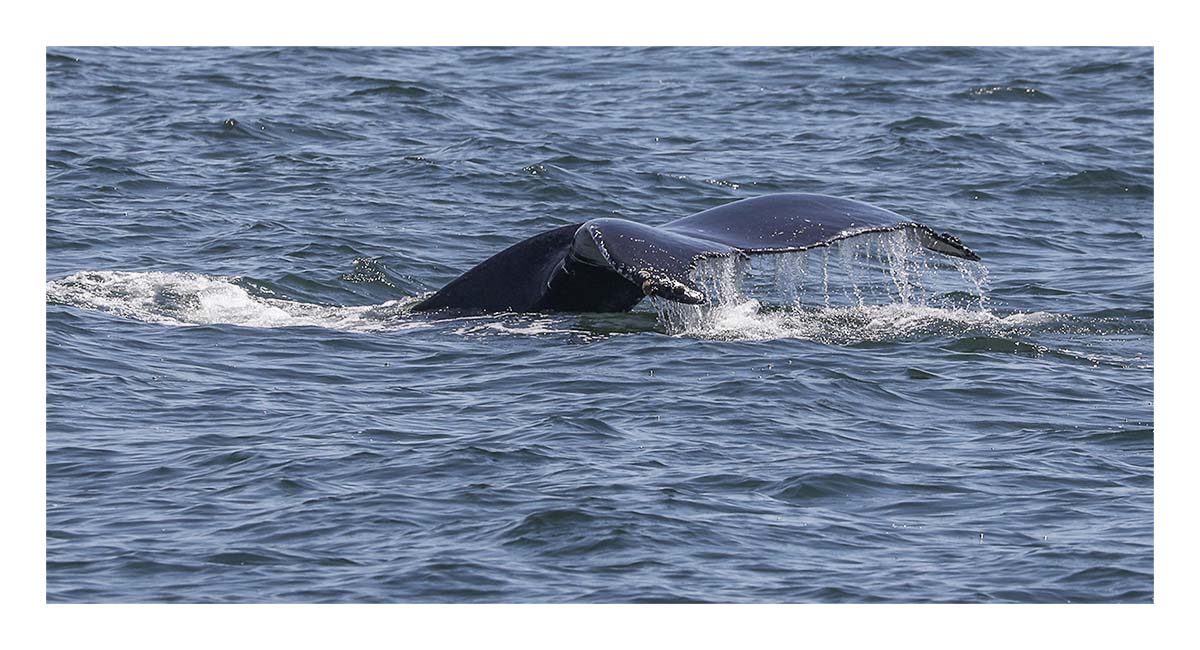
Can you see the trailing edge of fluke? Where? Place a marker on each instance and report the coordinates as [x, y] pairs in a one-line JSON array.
[[607, 265]]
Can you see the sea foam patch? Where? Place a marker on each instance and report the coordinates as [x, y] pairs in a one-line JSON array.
[[186, 298]]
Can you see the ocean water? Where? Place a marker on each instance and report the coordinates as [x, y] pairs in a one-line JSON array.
[[241, 408]]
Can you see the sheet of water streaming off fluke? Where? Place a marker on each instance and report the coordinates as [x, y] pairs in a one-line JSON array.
[[241, 409]]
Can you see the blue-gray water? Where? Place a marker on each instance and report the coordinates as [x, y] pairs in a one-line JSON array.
[[241, 409]]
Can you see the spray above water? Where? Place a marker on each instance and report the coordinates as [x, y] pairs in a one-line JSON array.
[[883, 286]]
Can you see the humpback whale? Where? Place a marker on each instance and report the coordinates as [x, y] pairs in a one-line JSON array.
[[609, 265]]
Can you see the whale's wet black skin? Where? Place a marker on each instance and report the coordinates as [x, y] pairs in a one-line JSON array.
[[609, 265]]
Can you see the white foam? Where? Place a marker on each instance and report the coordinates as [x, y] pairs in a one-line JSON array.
[[196, 299], [871, 288], [749, 320], [514, 324]]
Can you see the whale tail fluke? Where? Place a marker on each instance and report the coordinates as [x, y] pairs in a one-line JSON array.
[[610, 264]]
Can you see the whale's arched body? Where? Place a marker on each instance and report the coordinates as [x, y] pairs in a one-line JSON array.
[[606, 265]]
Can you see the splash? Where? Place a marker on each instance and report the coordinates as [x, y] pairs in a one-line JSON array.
[[879, 287], [196, 299], [193, 299]]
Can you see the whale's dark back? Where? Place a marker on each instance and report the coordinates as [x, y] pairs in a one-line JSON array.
[[512, 280], [536, 274]]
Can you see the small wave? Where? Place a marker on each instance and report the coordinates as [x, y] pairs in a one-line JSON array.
[[393, 89], [1104, 181], [52, 57], [974, 195], [919, 123], [186, 298], [1099, 67], [368, 270], [1009, 94], [994, 342]]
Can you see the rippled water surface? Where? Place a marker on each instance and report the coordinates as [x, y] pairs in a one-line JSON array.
[[241, 407]]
